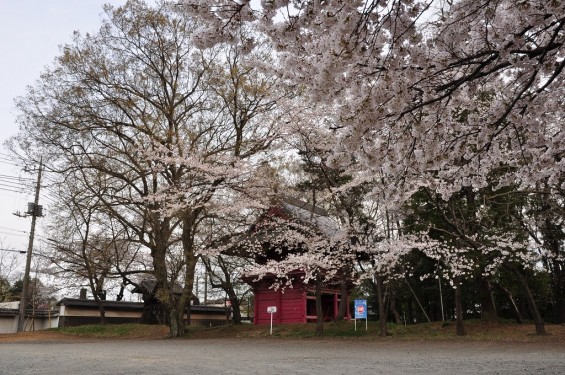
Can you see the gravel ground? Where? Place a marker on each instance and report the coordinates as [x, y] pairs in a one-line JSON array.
[[269, 356]]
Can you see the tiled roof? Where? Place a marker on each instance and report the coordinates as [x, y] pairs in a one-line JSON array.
[[29, 312], [125, 305], [204, 308], [79, 302]]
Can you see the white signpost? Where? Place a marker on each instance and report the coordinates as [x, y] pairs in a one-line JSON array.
[[271, 310]]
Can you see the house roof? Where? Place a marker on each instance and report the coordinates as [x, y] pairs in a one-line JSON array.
[[29, 312], [125, 305], [204, 308], [90, 303], [309, 214]]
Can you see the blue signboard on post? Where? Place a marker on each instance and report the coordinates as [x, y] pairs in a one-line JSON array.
[[360, 309]]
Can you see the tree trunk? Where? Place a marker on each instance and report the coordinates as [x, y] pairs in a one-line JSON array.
[[176, 327], [532, 306], [508, 293], [342, 309], [488, 308], [164, 294], [382, 310], [393, 310], [235, 306], [410, 308], [180, 307], [319, 312], [559, 295], [101, 309], [459, 307], [147, 315]]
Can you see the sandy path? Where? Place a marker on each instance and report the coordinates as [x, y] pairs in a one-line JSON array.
[[270, 356]]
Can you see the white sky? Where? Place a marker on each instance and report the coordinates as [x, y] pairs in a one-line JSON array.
[[31, 32]]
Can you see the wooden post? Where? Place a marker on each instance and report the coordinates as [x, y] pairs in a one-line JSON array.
[[335, 306]]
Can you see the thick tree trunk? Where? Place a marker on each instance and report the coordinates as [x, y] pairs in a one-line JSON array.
[[180, 307], [342, 308], [147, 315], [552, 239], [101, 310], [319, 312], [557, 271], [164, 293], [382, 310], [532, 306], [459, 307], [235, 306], [100, 305], [176, 326], [488, 308]]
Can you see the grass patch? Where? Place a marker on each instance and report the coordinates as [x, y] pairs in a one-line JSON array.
[[477, 330], [435, 331], [116, 331]]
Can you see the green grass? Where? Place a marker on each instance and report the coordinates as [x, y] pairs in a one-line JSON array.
[[436, 331], [108, 330]]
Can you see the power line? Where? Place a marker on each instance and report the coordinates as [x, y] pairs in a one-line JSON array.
[[13, 230], [10, 190], [19, 178], [14, 251], [10, 184], [6, 161]]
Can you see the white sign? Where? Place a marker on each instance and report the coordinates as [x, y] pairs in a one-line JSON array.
[[271, 309]]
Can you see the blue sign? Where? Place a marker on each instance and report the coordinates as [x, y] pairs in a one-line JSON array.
[[360, 309]]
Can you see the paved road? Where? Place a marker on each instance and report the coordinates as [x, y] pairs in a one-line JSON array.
[[266, 356]]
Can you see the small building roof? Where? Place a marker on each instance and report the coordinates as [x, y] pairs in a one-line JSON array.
[[90, 303], [309, 214], [29, 312], [126, 305]]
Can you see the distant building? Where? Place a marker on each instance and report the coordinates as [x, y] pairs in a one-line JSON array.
[[36, 319], [76, 311], [296, 304]]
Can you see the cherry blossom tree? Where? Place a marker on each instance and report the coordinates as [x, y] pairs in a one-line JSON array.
[[429, 94], [402, 70], [161, 133]]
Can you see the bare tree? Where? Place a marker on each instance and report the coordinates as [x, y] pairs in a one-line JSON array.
[[155, 130]]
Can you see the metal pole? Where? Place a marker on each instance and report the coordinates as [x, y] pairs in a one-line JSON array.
[[23, 298], [271, 323]]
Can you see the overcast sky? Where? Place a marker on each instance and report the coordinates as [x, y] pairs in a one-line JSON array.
[[31, 32]]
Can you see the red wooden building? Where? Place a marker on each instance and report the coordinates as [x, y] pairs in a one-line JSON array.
[[296, 304]]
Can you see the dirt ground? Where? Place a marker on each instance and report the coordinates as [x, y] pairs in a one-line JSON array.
[[152, 333], [503, 333], [49, 352]]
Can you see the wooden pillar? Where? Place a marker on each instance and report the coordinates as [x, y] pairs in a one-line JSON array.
[[305, 308], [255, 306], [278, 314], [336, 304]]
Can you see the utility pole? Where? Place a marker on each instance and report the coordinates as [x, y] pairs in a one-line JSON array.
[[34, 211]]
